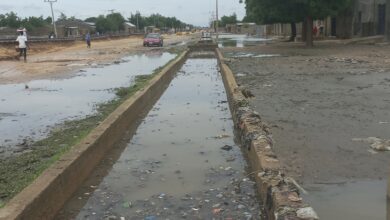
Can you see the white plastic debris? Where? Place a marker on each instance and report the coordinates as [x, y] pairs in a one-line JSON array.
[[376, 143], [307, 213]]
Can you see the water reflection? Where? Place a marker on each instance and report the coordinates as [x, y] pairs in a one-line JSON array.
[[31, 112], [239, 41]]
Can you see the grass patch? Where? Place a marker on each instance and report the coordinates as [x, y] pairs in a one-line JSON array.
[[19, 171]]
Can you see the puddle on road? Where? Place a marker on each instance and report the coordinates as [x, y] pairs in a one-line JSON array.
[[250, 55], [232, 40], [175, 165], [32, 112], [350, 201]]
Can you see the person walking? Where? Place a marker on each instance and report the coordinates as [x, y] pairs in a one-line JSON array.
[[88, 40], [23, 45]]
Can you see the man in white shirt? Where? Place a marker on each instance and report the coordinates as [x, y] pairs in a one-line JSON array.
[[23, 45]]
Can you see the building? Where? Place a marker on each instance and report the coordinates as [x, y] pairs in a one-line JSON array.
[[129, 28], [369, 18], [74, 28], [242, 28]]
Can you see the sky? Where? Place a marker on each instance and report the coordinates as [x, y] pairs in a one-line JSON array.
[[196, 12]]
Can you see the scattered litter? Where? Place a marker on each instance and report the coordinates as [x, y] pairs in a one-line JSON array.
[[307, 213], [227, 148], [294, 198], [222, 136], [376, 143], [217, 211], [292, 181]]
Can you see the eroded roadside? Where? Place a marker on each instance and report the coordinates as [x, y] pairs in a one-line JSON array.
[[323, 105]]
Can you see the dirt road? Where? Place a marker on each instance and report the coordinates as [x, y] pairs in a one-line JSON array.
[[322, 105], [48, 61]]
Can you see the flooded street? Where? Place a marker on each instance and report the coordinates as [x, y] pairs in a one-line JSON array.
[[181, 163], [237, 40], [328, 111], [29, 111]]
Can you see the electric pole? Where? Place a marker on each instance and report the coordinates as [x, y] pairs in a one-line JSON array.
[[52, 15], [137, 14], [217, 25]]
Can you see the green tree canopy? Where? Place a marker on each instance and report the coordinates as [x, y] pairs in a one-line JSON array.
[[232, 19], [12, 20], [287, 11], [156, 20]]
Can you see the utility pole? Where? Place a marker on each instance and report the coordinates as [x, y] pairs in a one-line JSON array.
[[52, 15], [217, 24], [137, 13]]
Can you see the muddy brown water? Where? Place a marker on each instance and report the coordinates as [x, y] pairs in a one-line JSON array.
[[30, 113], [182, 162]]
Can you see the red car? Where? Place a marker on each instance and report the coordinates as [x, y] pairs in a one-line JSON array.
[[153, 39]]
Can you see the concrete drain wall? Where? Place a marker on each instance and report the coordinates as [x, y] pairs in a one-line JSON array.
[[279, 194], [48, 193]]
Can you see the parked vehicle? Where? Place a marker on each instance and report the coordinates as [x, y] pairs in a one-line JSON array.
[[153, 39]]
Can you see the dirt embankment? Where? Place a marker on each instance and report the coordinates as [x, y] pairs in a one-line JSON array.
[[319, 102], [54, 60]]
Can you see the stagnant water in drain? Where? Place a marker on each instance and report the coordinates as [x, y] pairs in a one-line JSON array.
[[30, 113], [181, 163]]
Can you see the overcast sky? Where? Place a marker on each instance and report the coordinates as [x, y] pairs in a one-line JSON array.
[[197, 12]]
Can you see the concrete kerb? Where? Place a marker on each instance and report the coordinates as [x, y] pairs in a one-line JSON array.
[[280, 195], [48, 193]]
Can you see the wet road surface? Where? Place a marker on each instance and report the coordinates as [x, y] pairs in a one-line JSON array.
[[29, 113], [326, 112]]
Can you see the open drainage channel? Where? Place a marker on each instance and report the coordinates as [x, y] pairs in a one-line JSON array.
[[182, 162], [30, 112]]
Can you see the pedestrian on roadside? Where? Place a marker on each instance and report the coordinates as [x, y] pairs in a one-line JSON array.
[[88, 40], [315, 31], [23, 45]]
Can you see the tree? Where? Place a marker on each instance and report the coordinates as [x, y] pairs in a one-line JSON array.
[[292, 11], [156, 20], [228, 20], [91, 19], [116, 20], [11, 20], [387, 34], [62, 17]]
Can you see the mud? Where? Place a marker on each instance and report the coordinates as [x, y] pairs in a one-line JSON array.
[[317, 101], [30, 111], [181, 163], [48, 61], [352, 200]]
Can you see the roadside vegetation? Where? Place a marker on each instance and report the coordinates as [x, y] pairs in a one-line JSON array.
[[12, 20], [110, 23], [19, 171]]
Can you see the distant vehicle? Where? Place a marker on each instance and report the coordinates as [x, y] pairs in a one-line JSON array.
[[153, 39]]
